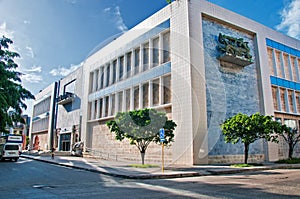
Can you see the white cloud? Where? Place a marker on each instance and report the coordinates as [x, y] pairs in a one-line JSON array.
[[31, 75], [31, 78], [107, 9], [26, 22], [63, 71], [5, 31], [30, 52], [117, 18], [290, 19], [36, 69]]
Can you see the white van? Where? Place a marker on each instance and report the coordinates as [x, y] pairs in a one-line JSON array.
[[9, 151]]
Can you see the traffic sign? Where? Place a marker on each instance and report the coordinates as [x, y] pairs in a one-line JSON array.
[[162, 134]]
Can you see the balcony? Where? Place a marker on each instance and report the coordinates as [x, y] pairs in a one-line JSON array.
[[66, 98]]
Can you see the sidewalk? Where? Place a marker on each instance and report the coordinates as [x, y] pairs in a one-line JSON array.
[[124, 170]]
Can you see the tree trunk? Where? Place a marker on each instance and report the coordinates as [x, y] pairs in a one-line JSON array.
[[143, 157], [246, 153], [291, 150]]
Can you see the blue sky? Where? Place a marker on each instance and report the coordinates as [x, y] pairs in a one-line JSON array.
[[54, 37]]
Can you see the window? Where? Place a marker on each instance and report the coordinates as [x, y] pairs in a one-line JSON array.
[[294, 71], [121, 68], [270, 61], [106, 105], [167, 89], [95, 109], [128, 65], [136, 60], [120, 103], [101, 77], [155, 51], [114, 75], [136, 98], [166, 47], [282, 99], [100, 107], [286, 66], [146, 57], [146, 95], [297, 94], [107, 75], [155, 94], [275, 100], [128, 97], [291, 100], [278, 64], [113, 102]]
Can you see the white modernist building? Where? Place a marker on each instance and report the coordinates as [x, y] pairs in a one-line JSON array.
[[200, 64]]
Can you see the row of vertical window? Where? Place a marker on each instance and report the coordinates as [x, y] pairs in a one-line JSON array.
[[147, 94], [42, 107], [283, 65], [286, 100], [153, 52]]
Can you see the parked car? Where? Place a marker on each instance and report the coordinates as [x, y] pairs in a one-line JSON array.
[[9, 151]]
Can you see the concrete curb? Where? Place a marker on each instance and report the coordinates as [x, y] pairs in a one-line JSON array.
[[176, 174]]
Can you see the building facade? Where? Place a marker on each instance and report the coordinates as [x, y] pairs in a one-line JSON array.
[[69, 111], [200, 64], [43, 119], [172, 62]]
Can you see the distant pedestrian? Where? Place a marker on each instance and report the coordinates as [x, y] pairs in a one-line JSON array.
[[52, 153]]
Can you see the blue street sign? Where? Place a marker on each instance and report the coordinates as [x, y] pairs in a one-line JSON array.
[[162, 135]]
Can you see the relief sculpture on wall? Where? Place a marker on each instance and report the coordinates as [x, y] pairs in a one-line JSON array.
[[234, 50]]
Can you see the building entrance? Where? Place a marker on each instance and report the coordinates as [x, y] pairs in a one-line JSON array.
[[65, 142]]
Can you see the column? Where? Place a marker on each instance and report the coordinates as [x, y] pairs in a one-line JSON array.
[[150, 53], [132, 62], [294, 102], [117, 69], [141, 68], [111, 73], [99, 77], [109, 113], [286, 99], [150, 94], [98, 109], [125, 66], [161, 93], [104, 75], [132, 98], [103, 106], [117, 102], [94, 81], [124, 100], [160, 49], [296, 69], [92, 110], [290, 68], [140, 96]]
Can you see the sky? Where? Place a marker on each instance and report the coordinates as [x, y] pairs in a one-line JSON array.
[[54, 37]]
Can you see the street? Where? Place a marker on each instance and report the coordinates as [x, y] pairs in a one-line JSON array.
[[33, 179]]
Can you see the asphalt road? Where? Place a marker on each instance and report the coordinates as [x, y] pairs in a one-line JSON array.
[[33, 179]]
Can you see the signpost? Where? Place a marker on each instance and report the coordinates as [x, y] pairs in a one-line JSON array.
[[162, 139]]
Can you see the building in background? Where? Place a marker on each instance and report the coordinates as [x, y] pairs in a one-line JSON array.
[[69, 111], [42, 132]]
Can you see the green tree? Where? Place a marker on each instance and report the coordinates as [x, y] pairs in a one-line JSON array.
[[291, 137], [12, 93], [141, 127], [248, 129]]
